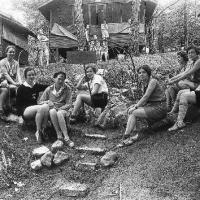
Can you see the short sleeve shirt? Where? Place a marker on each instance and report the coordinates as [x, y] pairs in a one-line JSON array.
[[97, 79]]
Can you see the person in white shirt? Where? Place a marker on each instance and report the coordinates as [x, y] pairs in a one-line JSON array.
[[104, 30], [98, 88]]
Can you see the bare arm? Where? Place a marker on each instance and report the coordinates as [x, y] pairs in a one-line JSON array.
[[188, 72], [80, 85]]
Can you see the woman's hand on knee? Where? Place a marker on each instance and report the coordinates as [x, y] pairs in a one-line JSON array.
[[131, 109]]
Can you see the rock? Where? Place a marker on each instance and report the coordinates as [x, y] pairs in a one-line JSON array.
[[57, 145], [40, 151], [46, 159], [36, 165], [72, 189], [60, 157], [93, 150], [96, 136], [109, 159], [86, 166]]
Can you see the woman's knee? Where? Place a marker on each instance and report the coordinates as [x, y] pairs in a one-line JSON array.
[[183, 85], [184, 98], [61, 113], [53, 112]]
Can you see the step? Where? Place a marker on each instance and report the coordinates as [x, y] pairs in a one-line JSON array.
[[86, 166], [96, 136], [92, 150]]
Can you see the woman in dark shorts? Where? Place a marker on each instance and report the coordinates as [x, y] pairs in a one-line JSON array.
[[185, 98], [99, 92], [152, 106], [26, 103]]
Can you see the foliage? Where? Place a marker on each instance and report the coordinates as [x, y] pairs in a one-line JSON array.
[[178, 26]]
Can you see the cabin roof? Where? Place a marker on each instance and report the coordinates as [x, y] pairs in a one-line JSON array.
[[46, 6], [14, 23]]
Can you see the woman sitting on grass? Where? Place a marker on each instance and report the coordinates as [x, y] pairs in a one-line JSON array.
[[152, 106], [26, 103], [99, 92], [172, 90], [58, 97]]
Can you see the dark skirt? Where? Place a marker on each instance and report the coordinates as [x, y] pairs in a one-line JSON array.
[[99, 100], [155, 111], [197, 92]]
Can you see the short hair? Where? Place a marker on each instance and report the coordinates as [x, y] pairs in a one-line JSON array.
[[93, 67], [146, 68], [9, 47], [28, 69], [58, 73], [184, 55], [193, 47]]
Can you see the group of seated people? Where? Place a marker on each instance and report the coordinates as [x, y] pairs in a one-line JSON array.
[[56, 100]]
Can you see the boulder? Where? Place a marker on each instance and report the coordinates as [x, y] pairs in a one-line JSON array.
[[109, 159], [60, 157], [57, 145], [46, 159], [36, 165], [40, 151]]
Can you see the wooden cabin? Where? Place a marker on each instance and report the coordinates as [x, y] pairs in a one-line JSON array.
[[115, 12], [14, 33]]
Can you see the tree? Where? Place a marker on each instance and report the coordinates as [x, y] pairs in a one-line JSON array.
[[79, 24], [135, 26]]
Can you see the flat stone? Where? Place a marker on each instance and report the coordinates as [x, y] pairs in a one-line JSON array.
[[60, 157], [86, 166], [97, 136], [46, 159], [93, 150], [36, 165], [73, 189], [109, 159], [57, 145], [40, 151]]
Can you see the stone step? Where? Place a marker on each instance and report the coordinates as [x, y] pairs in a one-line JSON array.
[[96, 136], [73, 189], [86, 166], [92, 150]]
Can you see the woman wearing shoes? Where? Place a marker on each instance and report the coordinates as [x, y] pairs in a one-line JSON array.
[[26, 103], [99, 92], [152, 106], [58, 97]]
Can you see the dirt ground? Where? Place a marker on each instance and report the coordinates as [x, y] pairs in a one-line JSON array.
[[162, 166]]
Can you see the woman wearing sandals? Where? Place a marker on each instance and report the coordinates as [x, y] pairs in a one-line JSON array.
[[99, 92], [152, 106], [26, 103], [58, 97]]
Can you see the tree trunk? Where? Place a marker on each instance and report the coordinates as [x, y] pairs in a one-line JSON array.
[[135, 26], [79, 24]]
